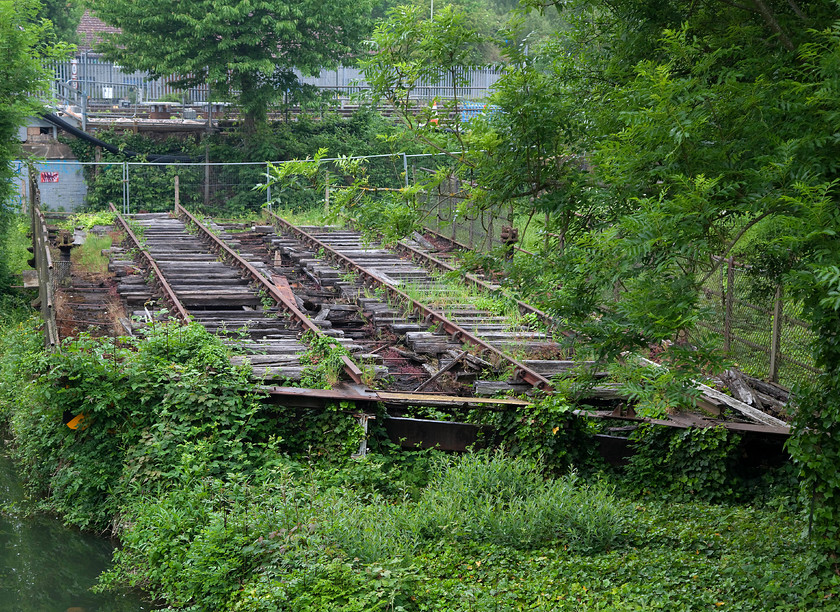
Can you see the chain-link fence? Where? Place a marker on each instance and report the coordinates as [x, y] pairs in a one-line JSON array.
[[758, 325], [449, 212]]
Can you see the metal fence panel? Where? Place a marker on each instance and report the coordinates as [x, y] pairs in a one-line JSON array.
[[107, 83]]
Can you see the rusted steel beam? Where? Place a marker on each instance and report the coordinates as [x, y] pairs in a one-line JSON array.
[[425, 433], [355, 393], [409, 398], [168, 292], [521, 371], [288, 304]]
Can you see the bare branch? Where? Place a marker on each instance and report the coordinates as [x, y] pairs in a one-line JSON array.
[[770, 20]]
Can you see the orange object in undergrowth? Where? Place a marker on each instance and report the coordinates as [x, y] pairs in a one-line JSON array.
[[434, 118], [76, 422]]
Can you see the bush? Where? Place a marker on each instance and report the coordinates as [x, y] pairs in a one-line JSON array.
[[506, 500]]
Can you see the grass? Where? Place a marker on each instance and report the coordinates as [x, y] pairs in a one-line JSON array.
[[311, 216], [448, 295], [88, 257]]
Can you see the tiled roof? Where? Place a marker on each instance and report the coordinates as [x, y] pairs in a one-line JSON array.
[[89, 31]]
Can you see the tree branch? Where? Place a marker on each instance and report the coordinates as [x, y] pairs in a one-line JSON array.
[[770, 20], [734, 241], [797, 11]]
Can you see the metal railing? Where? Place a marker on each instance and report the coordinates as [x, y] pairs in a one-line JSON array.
[[46, 277], [88, 79]]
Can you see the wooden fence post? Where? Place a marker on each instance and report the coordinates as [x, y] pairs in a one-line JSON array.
[[776, 338], [327, 192], [729, 298], [177, 191], [206, 175]]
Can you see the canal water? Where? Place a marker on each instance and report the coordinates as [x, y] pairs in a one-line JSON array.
[[47, 567]]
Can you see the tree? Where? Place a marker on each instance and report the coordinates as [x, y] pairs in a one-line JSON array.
[[26, 43], [64, 15], [701, 130], [244, 49]]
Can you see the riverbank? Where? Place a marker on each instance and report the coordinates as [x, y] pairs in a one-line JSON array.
[[222, 504]]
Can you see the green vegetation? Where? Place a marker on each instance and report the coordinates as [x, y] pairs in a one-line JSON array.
[[652, 140], [89, 258], [233, 45], [64, 16], [223, 503], [649, 140], [27, 43]]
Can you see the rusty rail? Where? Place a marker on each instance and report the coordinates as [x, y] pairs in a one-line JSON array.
[[521, 371], [168, 292], [288, 304]]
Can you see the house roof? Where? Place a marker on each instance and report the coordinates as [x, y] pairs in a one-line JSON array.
[[90, 30]]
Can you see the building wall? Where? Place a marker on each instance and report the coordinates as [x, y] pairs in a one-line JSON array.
[[61, 183]]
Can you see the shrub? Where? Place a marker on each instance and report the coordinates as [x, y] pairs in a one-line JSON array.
[[506, 500]]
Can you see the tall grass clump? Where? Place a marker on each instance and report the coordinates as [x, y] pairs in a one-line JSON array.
[[506, 500], [89, 258]]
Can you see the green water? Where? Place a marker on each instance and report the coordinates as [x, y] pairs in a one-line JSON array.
[[46, 567]]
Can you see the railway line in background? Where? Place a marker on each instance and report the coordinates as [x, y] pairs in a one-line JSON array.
[[413, 339]]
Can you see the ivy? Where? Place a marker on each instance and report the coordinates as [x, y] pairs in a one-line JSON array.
[[683, 464], [548, 431], [142, 400]]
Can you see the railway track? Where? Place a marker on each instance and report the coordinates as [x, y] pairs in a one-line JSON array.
[[416, 330], [440, 342], [435, 315], [202, 279]]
